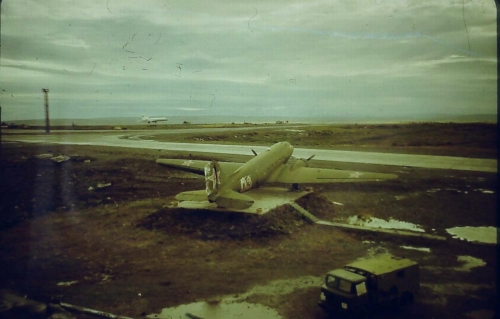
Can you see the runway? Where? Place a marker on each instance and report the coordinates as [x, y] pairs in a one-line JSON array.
[[141, 141]]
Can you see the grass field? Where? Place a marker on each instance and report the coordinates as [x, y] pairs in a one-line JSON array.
[[118, 248]]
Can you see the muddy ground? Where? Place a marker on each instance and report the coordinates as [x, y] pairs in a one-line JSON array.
[[119, 249]]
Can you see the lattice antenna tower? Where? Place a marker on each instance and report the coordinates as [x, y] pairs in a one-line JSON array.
[[47, 119]]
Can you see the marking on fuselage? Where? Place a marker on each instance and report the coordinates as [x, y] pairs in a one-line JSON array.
[[245, 183], [355, 175], [187, 163]]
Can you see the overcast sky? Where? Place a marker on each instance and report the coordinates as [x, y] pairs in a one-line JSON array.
[[103, 58]]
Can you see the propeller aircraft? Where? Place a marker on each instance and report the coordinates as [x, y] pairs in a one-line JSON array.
[[226, 182]]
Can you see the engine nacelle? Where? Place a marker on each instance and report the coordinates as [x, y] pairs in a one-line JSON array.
[[299, 163]]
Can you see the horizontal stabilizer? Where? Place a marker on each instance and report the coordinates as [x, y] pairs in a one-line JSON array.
[[196, 196], [232, 199], [196, 167]]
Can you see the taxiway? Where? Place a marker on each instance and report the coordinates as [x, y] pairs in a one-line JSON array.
[[146, 141]]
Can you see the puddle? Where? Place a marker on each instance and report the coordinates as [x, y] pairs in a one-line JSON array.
[[67, 283], [380, 223], [220, 310], [427, 250], [485, 191], [235, 307], [453, 190], [44, 156], [469, 263], [433, 190], [486, 235]]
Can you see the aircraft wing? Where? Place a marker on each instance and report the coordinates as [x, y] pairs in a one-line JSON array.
[[320, 175], [197, 167], [265, 199]]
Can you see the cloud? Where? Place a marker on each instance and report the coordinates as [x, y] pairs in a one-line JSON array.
[[280, 57]]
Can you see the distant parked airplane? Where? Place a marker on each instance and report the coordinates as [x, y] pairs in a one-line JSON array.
[[153, 119]]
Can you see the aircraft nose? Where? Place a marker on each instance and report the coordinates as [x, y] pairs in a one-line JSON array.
[[288, 144]]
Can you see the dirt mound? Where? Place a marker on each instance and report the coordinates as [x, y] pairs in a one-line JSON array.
[[318, 205], [211, 225]]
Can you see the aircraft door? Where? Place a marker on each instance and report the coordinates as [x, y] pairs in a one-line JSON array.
[[211, 179]]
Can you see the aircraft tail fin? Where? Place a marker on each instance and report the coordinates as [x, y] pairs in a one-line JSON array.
[[214, 177], [196, 196], [232, 199]]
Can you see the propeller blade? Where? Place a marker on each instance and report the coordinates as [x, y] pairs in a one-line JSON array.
[[310, 157], [254, 152]]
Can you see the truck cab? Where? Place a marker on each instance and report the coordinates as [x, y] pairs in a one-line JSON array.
[[369, 283]]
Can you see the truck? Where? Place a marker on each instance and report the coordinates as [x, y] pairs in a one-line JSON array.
[[370, 283]]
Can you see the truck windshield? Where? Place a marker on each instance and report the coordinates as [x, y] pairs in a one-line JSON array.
[[339, 283], [345, 285], [332, 281]]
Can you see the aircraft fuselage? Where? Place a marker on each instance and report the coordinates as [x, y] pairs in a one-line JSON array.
[[153, 120], [256, 171]]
